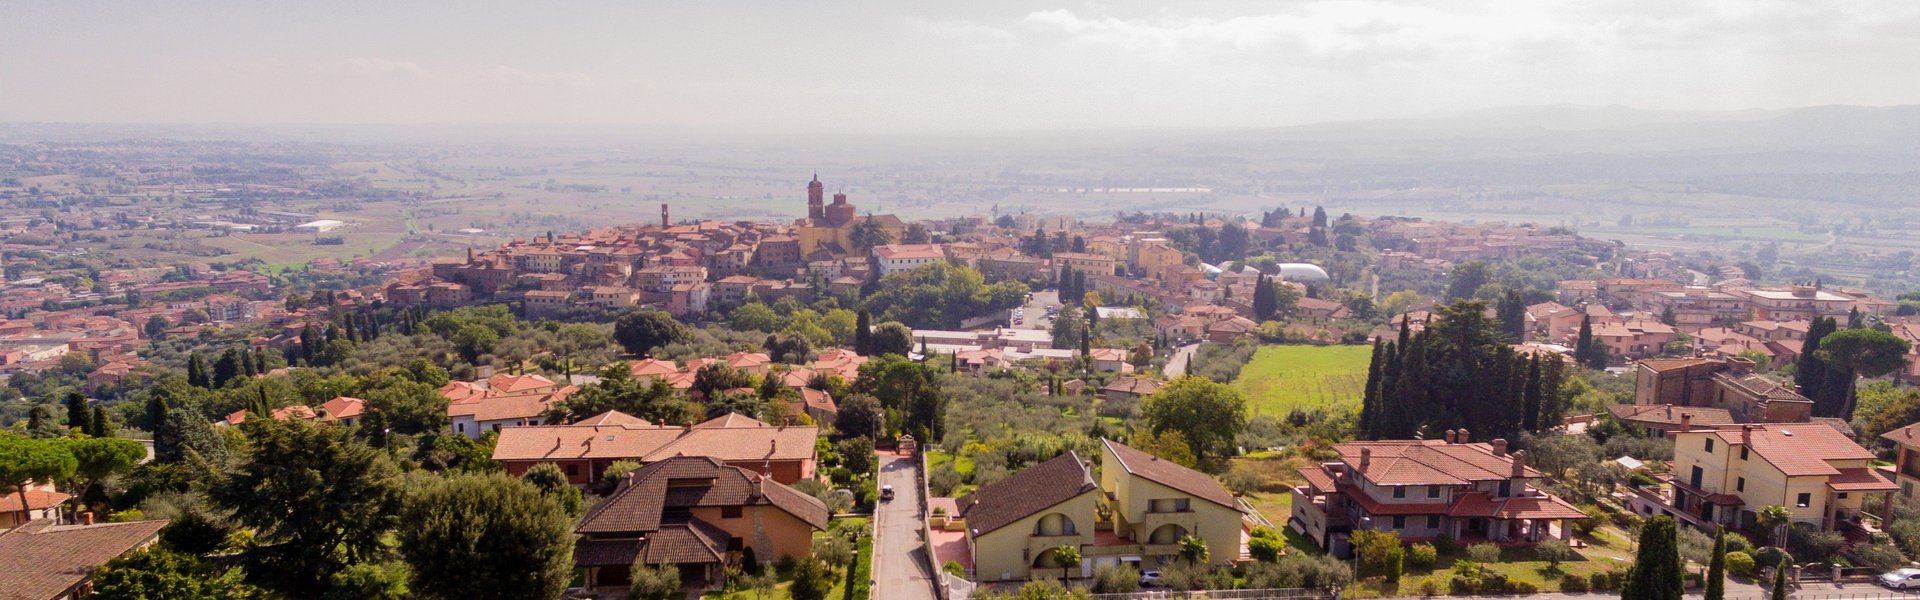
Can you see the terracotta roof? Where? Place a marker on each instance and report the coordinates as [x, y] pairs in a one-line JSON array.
[[1134, 385], [1169, 473], [42, 560], [344, 408], [1428, 462], [507, 384], [1860, 480], [1317, 477], [613, 417], [1667, 414], [652, 367], [654, 442], [818, 400], [649, 492], [691, 542], [1026, 493], [1797, 449], [1905, 436], [1668, 364], [36, 500]]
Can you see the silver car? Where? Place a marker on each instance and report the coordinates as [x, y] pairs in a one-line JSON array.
[[1901, 579]]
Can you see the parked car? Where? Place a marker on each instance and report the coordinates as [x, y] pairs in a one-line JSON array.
[[1149, 578], [1901, 579], [886, 493]]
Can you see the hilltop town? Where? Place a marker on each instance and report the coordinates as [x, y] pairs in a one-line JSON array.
[[1190, 400]]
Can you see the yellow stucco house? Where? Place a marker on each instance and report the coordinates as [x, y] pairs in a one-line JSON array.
[[1135, 512], [1725, 475]]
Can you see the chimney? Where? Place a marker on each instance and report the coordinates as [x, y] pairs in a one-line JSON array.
[[663, 215], [1686, 421], [1463, 436], [86, 518], [1500, 447], [758, 483], [773, 446], [1450, 436], [1520, 463], [1746, 434], [1366, 457]]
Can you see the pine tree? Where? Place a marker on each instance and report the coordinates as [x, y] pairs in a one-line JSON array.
[[1717, 568], [1513, 315], [1263, 300], [1656, 573]]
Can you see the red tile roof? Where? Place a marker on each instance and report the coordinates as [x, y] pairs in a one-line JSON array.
[[1797, 449], [1169, 473], [741, 439], [43, 560], [1860, 480], [1428, 462], [1026, 493]]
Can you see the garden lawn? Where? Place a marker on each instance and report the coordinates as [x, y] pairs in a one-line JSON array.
[[859, 577], [1281, 378], [1516, 563]]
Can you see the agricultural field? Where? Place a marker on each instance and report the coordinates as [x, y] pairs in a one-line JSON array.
[[1282, 378]]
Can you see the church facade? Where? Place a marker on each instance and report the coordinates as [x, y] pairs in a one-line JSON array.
[[827, 232]]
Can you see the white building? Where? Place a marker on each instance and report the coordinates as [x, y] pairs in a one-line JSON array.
[[320, 226]]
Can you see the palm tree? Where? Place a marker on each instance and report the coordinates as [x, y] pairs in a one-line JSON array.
[[1775, 518], [1066, 557], [1194, 550]]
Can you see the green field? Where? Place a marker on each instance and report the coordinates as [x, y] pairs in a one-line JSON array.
[[1280, 378]]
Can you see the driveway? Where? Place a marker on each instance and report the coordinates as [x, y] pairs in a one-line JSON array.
[[1037, 310], [899, 557]]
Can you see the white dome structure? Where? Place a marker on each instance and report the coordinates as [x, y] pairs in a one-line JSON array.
[[1302, 272]]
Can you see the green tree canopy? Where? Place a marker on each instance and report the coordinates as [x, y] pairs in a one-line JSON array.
[[27, 461], [1210, 414], [485, 536], [640, 330], [317, 502]]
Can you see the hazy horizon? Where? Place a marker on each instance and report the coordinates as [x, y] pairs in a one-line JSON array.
[[873, 67]]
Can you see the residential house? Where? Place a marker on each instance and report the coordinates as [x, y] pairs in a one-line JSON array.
[[1015, 527], [1726, 475], [699, 514], [905, 257], [42, 502], [1426, 489], [1130, 389], [1728, 384]]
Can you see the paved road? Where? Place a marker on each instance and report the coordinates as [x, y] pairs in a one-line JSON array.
[[1177, 364], [899, 556]]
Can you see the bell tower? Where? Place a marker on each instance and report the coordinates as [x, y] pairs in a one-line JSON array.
[[816, 199]]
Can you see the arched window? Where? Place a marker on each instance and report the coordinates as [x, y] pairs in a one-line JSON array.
[[1055, 524], [1167, 534]]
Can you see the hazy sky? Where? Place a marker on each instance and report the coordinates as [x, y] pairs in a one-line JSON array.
[[908, 65]]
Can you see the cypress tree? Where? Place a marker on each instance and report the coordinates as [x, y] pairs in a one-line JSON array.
[[78, 417], [102, 427], [1717, 568], [197, 371], [863, 333], [1656, 573], [1780, 582], [1370, 398], [1533, 394]]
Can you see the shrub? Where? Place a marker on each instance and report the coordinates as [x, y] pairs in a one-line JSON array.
[[1585, 527], [1445, 545], [1771, 556], [1265, 549], [1422, 555], [1641, 479], [1393, 564], [1696, 579], [1461, 586], [1808, 544], [1740, 563], [1603, 581], [1113, 579], [1884, 557], [1573, 583], [1429, 587], [1484, 553], [1738, 543]]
